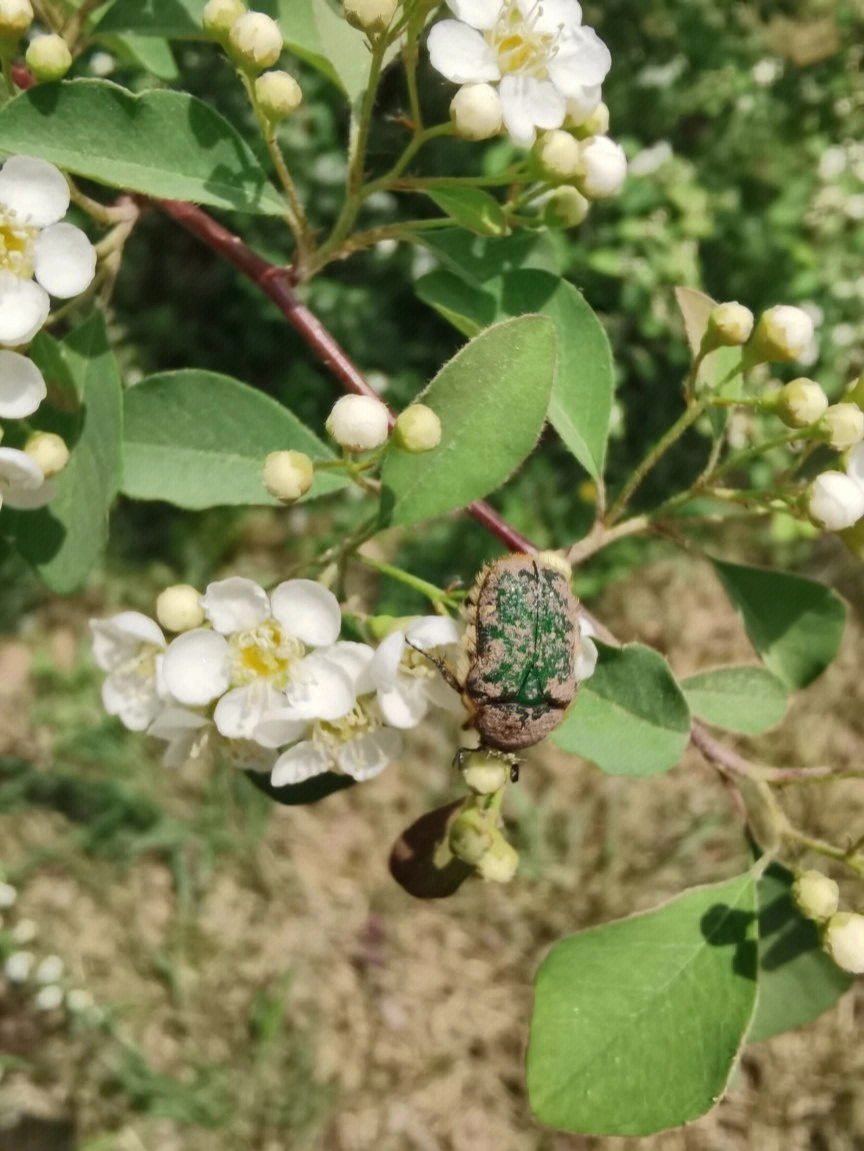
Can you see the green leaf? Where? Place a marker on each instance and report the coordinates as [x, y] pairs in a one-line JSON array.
[[637, 1023], [150, 53], [176, 19], [473, 208], [477, 259], [294, 794], [797, 980], [65, 540], [795, 624], [581, 402], [491, 399], [161, 143], [748, 699], [198, 439], [630, 717]]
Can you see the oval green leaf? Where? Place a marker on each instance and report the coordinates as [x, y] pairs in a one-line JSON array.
[[630, 717], [637, 1023], [160, 143], [797, 980], [473, 208], [198, 439], [795, 624], [746, 699], [491, 399]]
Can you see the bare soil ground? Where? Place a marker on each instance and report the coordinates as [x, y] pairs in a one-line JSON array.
[[399, 1025]]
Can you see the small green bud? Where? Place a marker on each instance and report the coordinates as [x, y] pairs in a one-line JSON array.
[[219, 15], [558, 156], [278, 95], [801, 403], [471, 836], [287, 475], [475, 112], [417, 429], [844, 426], [816, 895], [484, 773], [49, 452], [48, 57], [178, 608], [500, 862], [729, 326], [255, 41], [844, 941], [566, 207], [16, 16], [371, 16]]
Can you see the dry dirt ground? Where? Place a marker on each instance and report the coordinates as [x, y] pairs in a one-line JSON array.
[[401, 1025]]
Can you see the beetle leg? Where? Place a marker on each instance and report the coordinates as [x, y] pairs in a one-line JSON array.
[[448, 675]]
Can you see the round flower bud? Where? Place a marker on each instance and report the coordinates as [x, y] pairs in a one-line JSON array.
[[372, 16], [558, 154], [16, 16], [219, 15], [475, 112], [255, 40], [783, 333], [816, 895], [178, 608], [844, 941], [19, 966], [602, 168], [358, 423], [50, 970], [470, 836], [48, 57], [417, 429], [48, 998], [288, 475], [8, 896], [484, 773], [801, 403], [835, 501], [729, 326], [566, 207], [597, 124], [844, 424], [48, 452], [278, 95], [499, 863]]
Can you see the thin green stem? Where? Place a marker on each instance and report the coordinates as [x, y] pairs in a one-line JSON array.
[[404, 231], [430, 591]]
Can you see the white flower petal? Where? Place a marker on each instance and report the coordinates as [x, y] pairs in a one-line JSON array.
[[239, 712], [34, 190], [299, 763], [307, 611], [27, 498], [367, 755], [320, 689], [441, 694], [353, 658], [385, 665], [279, 727], [478, 13], [22, 388], [405, 704], [64, 260], [120, 638], [433, 631], [586, 660], [855, 464], [235, 604], [173, 722], [528, 104], [132, 697], [195, 667], [461, 54], [24, 308], [583, 103], [582, 60], [18, 474]]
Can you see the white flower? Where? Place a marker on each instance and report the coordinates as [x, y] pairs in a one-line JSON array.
[[39, 255], [48, 998], [186, 733], [586, 660], [835, 501], [405, 682], [359, 745], [537, 50], [22, 481], [50, 970], [19, 966], [22, 388], [129, 647]]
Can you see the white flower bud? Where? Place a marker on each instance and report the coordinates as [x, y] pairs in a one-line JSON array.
[[358, 423], [48, 452], [278, 95], [48, 998], [219, 15], [8, 896], [417, 429], [844, 941], [558, 154], [178, 608], [475, 112], [566, 207], [817, 896], [499, 863], [24, 931], [50, 970], [580, 108], [597, 124], [16, 16], [372, 16], [729, 326], [79, 999], [835, 501], [287, 475], [783, 333], [484, 773], [19, 966], [48, 57], [256, 40], [801, 403], [602, 168], [844, 424]]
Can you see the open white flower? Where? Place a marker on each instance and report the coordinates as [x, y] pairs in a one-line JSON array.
[[359, 744], [129, 647], [186, 733], [538, 51], [406, 683], [22, 482], [39, 255]]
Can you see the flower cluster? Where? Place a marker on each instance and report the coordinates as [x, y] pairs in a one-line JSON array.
[[267, 679]]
